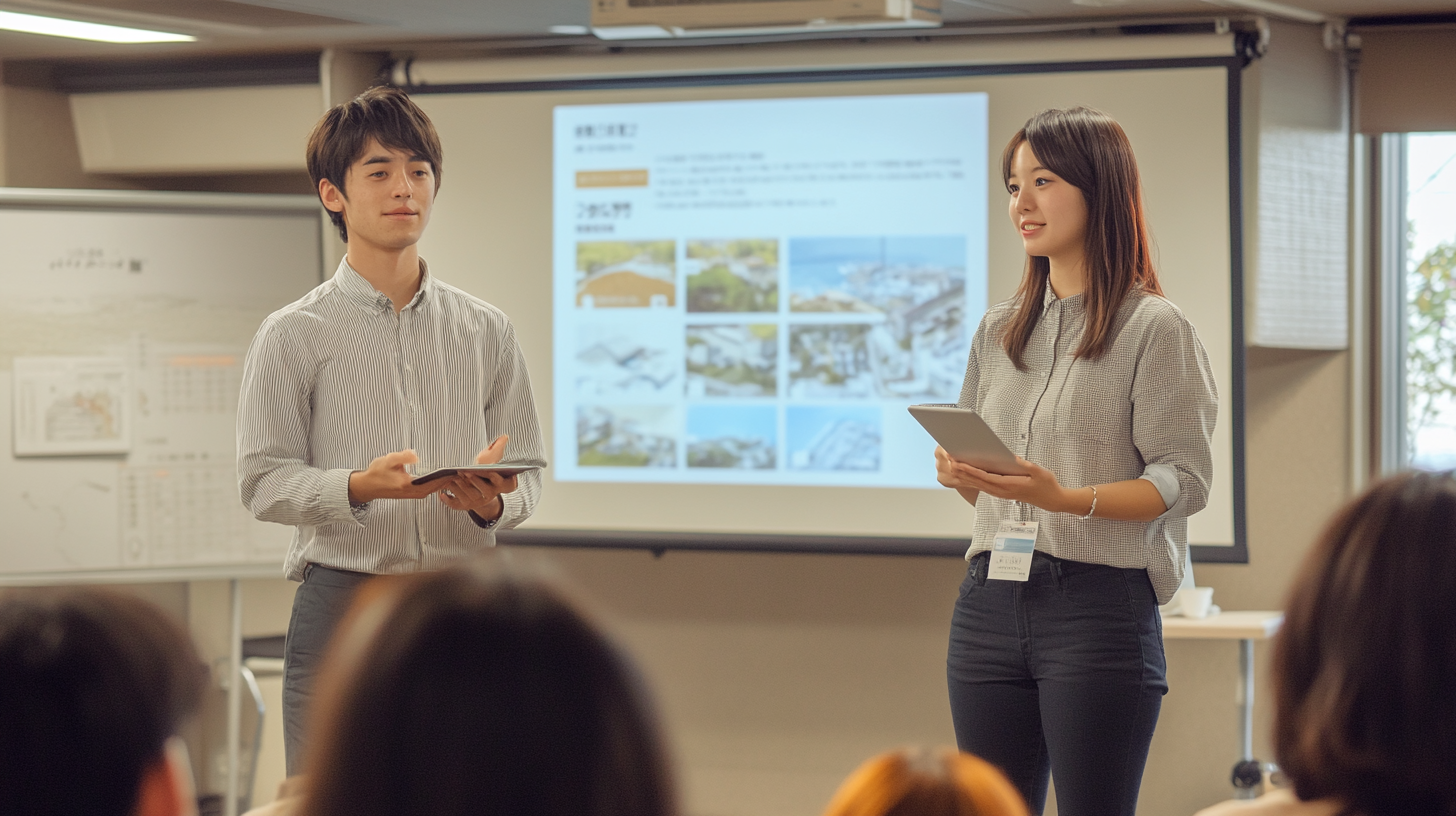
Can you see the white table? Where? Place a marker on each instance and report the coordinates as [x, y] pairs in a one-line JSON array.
[[1245, 627]]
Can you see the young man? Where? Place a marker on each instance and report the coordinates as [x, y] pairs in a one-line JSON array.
[[380, 368], [94, 687]]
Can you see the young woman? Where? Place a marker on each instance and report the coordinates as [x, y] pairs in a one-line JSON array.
[[1364, 709], [1101, 387]]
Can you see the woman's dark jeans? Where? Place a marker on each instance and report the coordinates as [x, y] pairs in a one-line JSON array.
[[1062, 675]]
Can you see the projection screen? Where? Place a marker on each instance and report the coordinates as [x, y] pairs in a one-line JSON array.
[[730, 285]]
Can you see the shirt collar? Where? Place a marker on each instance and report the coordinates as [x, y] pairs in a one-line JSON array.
[[362, 293], [1049, 297]]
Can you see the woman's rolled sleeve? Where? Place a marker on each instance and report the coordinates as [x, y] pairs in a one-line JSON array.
[[1174, 409]]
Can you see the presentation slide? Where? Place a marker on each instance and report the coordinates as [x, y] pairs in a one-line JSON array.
[[753, 291]]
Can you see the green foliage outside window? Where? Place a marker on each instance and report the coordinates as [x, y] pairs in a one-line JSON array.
[[1430, 362]]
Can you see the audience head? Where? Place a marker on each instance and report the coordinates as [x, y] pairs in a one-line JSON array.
[[1365, 666], [93, 689], [473, 691], [922, 782]]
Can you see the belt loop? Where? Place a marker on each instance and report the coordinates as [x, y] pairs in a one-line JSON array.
[[1056, 572], [981, 563]]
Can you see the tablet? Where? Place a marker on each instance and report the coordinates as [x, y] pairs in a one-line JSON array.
[[504, 470], [967, 438]]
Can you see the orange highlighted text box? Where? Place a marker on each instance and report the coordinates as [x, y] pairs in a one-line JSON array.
[[611, 178], [203, 361]]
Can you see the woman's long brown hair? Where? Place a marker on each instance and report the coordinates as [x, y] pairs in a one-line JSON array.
[[1089, 150], [1364, 712]]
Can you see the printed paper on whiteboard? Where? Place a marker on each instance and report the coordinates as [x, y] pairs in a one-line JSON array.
[[72, 405]]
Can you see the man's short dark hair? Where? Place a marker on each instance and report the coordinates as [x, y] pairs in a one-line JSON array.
[[384, 113], [92, 685]]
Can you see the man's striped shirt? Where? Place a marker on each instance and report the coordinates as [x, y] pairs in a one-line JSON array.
[[337, 379]]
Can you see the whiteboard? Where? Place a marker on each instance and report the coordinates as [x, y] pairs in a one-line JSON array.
[[169, 289]]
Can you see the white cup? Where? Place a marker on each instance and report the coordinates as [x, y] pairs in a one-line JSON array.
[[1195, 601]]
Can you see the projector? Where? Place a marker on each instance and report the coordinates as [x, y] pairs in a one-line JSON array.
[[655, 19]]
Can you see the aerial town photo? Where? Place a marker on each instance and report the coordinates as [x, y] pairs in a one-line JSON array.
[[732, 276], [626, 436], [732, 360], [732, 436], [908, 293], [824, 437]]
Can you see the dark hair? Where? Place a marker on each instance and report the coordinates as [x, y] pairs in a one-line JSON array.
[[92, 684], [470, 691], [384, 113], [923, 782], [1089, 150], [1365, 711]]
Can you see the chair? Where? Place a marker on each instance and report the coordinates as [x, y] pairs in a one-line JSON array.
[[262, 657]]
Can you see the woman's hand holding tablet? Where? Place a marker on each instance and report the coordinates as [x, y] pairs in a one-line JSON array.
[[971, 457]]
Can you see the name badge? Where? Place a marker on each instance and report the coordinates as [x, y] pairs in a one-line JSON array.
[[1011, 552]]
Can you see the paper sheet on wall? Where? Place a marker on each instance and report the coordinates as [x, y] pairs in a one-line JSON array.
[[71, 405]]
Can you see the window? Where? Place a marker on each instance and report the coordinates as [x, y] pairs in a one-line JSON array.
[[1428, 196]]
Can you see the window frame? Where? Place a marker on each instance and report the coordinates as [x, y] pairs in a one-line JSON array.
[[1389, 247]]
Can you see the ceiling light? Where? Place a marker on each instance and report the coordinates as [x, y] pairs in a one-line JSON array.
[[569, 29], [75, 29]]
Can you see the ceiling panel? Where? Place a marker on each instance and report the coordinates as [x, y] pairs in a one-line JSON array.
[[215, 11], [244, 26]]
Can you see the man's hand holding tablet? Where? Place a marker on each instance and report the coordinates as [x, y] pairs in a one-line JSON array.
[[479, 492], [466, 489]]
